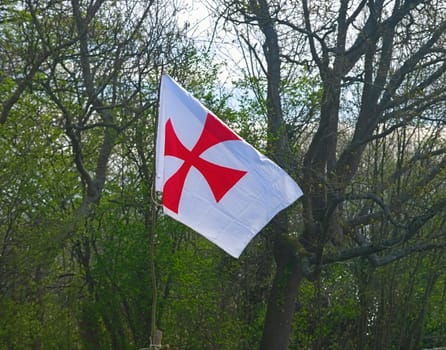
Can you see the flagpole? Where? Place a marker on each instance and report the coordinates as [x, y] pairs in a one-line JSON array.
[[155, 334]]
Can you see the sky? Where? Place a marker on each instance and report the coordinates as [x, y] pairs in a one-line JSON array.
[[197, 15], [221, 43]]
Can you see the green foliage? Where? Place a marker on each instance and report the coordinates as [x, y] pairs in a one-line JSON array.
[[75, 273], [327, 312]]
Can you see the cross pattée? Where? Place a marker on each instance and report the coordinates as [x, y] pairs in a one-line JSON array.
[[219, 178]]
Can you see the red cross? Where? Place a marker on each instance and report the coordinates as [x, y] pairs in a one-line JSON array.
[[219, 178]]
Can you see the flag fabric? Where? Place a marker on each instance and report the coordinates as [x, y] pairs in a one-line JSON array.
[[212, 180]]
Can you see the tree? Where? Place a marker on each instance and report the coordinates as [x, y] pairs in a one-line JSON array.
[[352, 100], [79, 90], [381, 68]]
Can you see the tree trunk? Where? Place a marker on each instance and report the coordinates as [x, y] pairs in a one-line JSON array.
[[281, 306], [88, 328]]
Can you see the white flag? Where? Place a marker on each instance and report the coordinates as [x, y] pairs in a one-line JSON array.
[[212, 180]]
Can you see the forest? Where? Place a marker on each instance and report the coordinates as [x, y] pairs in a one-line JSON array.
[[348, 96]]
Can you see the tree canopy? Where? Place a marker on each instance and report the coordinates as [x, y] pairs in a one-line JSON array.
[[347, 96]]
